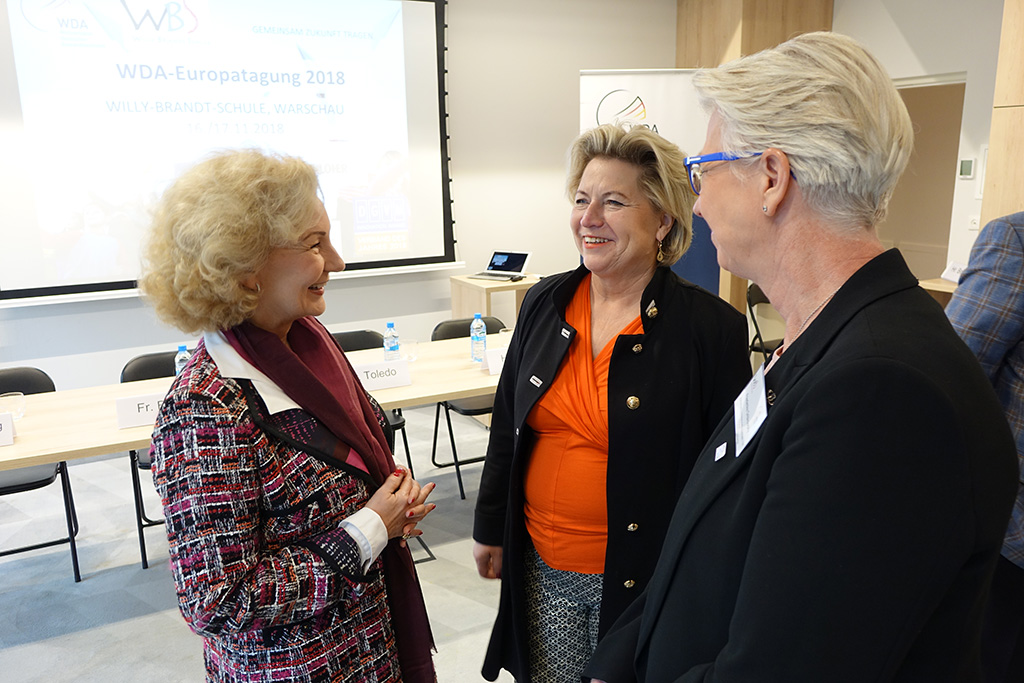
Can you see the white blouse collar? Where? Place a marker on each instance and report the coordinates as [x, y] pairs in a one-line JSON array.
[[231, 364]]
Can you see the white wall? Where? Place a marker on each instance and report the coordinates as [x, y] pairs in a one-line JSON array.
[[513, 105], [514, 90], [921, 38], [513, 79]]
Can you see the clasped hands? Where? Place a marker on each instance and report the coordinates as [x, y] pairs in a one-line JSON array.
[[401, 504]]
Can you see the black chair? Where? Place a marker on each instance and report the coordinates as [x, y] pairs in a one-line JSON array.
[[756, 297], [357, 340], [35, 381], [471, 407], [146, 366]]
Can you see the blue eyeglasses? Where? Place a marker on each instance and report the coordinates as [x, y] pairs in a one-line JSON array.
[[693, 164]]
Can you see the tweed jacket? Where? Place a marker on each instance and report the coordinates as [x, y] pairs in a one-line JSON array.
[[854, 537], [263, 570], [987, 311], [667, 389]]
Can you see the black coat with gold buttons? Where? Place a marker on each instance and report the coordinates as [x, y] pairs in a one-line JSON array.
[[667, 390]]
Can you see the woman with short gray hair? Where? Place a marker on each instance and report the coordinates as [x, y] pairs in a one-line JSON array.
[[844, 519]]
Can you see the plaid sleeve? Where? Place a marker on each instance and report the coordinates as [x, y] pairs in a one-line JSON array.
[[987, 311], [206, 466]]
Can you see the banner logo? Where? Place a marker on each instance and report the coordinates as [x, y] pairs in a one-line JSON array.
[[622, 106]]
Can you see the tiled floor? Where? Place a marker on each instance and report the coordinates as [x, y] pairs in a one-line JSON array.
[[121, 622]]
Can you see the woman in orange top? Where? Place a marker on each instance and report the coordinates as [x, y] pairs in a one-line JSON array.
[[615, 376]]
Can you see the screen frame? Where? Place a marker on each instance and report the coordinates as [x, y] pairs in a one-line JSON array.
[[123, 288]]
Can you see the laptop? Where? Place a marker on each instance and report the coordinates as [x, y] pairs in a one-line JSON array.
[[505, 265]]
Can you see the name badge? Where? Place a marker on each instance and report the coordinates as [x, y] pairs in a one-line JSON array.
[[384, 375], [138, 411], [6, 429], [494, 359], [749, 410]]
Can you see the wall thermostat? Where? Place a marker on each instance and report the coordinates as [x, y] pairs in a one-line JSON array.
[[966, 169]]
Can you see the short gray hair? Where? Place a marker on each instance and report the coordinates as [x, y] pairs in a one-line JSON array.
[[830, 106]]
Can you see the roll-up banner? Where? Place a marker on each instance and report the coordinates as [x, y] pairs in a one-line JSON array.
[[664, 101]]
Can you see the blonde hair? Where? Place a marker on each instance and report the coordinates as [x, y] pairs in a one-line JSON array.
[[663, 176], [830, 106], [214, 226]]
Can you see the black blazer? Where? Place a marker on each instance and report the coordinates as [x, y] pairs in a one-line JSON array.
[[854, 538], [685, 369]]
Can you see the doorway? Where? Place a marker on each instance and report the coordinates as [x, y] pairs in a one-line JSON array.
[[921, 208]]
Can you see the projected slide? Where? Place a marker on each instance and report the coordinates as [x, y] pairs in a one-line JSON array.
[[117, 97]]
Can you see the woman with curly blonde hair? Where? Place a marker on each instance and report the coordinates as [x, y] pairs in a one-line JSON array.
[[286, 516]]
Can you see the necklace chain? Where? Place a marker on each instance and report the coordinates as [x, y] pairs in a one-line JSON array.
[[813, 313], [781, 349]]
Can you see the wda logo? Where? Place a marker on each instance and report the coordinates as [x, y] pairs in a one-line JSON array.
[[623, 106]]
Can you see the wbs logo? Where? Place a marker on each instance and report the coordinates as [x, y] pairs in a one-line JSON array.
[[69, 17], [162, 17], [622, 106]]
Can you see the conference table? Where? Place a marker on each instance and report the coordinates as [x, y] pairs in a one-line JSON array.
[[81, 423], [940, 289]]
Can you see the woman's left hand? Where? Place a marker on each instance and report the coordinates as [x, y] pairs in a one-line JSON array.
[[401, 504], [417, 510]]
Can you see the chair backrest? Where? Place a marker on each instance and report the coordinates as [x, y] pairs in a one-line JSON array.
[[357, 340], [758, 344], [453, 329], [149, 366], [26, 380], [755, 296]]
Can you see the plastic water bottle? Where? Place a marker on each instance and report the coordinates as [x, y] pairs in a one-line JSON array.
[[181, 358], [391, 351], [478, 338]]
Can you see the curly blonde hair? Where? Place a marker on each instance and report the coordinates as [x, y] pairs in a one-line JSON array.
[[215, 225], [664, 180]]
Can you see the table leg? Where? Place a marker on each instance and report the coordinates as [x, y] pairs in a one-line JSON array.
[[520, 295]]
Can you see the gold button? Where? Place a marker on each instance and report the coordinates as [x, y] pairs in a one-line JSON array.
[[770, 397], [637, 348], [632, 403], [652, 311], [629, 583], [632, 527]]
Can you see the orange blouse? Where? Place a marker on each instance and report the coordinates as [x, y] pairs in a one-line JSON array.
[[566, 500]]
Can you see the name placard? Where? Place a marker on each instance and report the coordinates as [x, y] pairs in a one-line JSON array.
[[6, 429], [953, 271], [384, 375], [494, 359], [138, 411]]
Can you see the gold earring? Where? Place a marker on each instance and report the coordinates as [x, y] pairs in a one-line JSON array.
[[661, 254]]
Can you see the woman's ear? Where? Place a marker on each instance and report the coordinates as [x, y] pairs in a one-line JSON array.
[[776, 176], [250, 282], [667, 221]]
